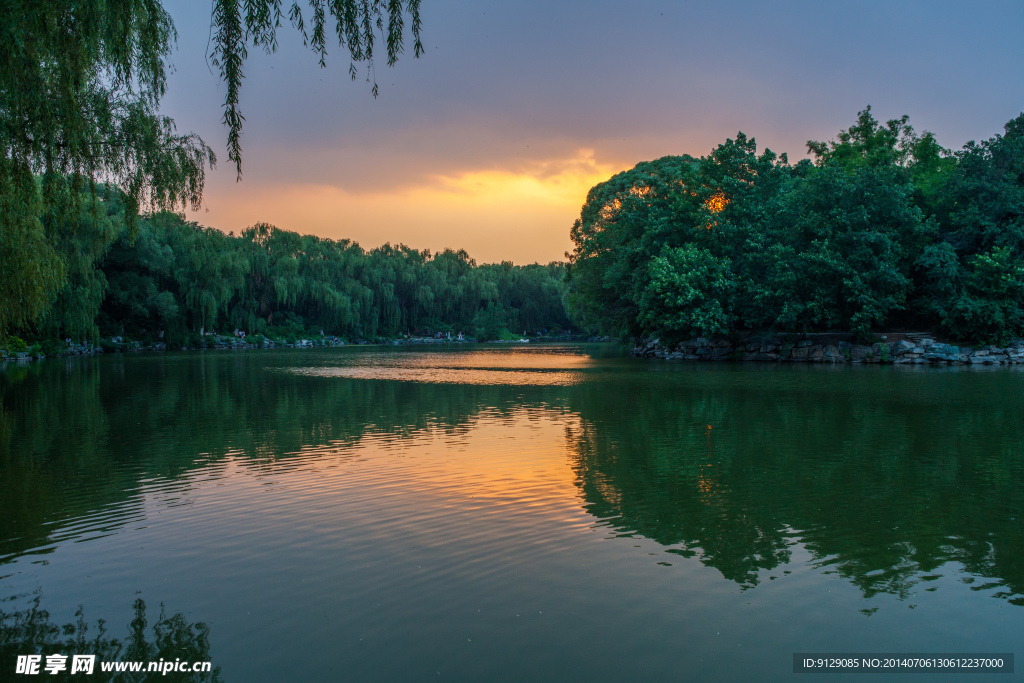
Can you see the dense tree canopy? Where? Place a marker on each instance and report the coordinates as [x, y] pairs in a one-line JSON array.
[[173, 280], [884, 228]]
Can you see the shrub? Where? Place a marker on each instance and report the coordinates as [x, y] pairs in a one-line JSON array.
[[52, 348], [16, 345], [489, 323]]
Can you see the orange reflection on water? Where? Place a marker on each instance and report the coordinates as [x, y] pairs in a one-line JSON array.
[[512, 465], [522, 367], [436, 375]]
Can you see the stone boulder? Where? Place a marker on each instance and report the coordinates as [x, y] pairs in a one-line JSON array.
[[721, 352], [901, 347], [940, 352], [858, 352]]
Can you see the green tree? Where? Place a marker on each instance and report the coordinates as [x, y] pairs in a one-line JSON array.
[[491, 322], [850, 232], [895, 146], [80, 84], [142, 294], [31, 270], [613, 241], [983, 202], [969, 278], [81, 244], [688, 293], [867, 143], [988, 305], [180, 278], [743, 240], [80, 88]]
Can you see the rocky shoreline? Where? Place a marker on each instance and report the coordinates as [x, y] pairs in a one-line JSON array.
[[111, 346], [236, 343], [894, 349]]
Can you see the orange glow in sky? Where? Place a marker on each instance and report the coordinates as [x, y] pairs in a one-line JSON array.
[[483, 146], [523, 215]]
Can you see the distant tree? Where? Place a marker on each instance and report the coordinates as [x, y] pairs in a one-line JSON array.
[[179, 278], [489, 323]]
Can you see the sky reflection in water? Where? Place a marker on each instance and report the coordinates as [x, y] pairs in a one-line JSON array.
[[593, 516]]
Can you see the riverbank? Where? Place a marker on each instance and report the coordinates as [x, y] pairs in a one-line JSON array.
[[231, 342], [908, 348]]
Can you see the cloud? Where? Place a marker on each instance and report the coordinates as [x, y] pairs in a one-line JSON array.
[[522, 214], [482, 137]]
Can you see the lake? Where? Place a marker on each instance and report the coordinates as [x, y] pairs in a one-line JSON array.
[[497, 512]]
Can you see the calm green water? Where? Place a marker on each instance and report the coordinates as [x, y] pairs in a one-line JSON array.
[[496, 513]]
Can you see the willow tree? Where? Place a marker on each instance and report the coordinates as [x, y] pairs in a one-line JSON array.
[[80, 88]]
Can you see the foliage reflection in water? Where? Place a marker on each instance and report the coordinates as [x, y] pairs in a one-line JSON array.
[[172, 639], [884, 477], [376, 514]]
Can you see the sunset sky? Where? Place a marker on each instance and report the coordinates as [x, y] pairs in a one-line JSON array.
[[490, 141]]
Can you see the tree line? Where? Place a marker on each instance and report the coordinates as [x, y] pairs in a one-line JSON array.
[[166, 278], [885, 228]]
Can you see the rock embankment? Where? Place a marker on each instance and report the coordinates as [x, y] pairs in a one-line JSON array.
[[896, 349], [119, 345]]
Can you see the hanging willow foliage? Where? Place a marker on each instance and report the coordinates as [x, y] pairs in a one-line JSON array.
[[80, 88], [239, 23]]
